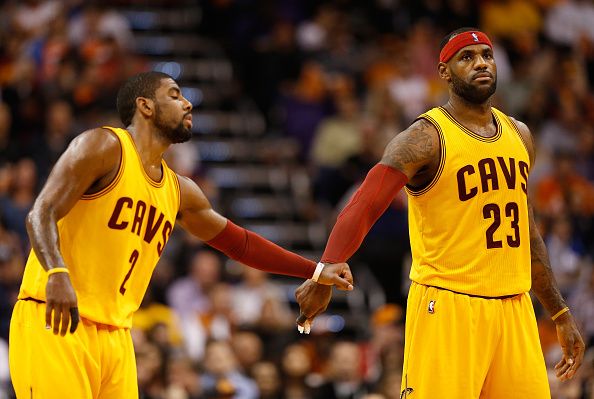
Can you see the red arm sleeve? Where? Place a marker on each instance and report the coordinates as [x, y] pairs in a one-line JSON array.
[[367, 204], [255, 251]]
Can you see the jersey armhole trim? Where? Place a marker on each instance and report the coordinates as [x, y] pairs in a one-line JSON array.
[[517, 130], [117, 177], [177, 187], [442, 157]]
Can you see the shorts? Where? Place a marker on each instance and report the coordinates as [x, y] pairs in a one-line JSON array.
[[96, 362], [463, 347]]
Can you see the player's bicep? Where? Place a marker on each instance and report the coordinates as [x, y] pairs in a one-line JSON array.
[[91, 156], [196, 214], [413, 149]]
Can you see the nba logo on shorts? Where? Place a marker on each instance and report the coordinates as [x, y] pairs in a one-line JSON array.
[[475, 37], [431, 308]]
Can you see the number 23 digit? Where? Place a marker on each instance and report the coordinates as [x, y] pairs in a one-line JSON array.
[[492, 211], [133, 259]]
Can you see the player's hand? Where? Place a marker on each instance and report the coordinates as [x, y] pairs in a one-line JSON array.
[[313, 299], [338, 274], [61, 301], [572, 346]]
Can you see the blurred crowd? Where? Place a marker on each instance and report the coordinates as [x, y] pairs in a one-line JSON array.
[[341, 78]]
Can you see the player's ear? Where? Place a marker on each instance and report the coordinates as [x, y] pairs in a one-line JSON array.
[[444, 71], [145, 106]]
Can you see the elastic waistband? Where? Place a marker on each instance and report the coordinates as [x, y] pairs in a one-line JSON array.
[[473, 296]]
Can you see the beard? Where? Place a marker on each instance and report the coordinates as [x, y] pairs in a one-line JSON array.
[[177, 134], [473, 94]]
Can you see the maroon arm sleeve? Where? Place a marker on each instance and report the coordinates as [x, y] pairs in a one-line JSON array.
[[255, 251], [367, 204]]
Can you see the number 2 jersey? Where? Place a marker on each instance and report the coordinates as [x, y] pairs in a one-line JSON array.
[[111, 240], [469, 228]]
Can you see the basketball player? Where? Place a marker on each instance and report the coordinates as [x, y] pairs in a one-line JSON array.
[[470, 329], [97, 230]]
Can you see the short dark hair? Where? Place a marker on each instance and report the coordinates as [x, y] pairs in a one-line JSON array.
[[141, 85], [453, 33]]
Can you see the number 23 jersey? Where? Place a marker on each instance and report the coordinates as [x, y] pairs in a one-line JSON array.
[[469, 227], [112, 240]]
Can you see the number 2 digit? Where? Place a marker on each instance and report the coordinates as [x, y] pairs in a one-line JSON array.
[[133, 259]]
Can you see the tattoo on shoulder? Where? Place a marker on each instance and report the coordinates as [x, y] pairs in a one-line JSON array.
[[415, 144]]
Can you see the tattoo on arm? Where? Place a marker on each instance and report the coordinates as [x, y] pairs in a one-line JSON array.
[[544, 285], [413, 147]]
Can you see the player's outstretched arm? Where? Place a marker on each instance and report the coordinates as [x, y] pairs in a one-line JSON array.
[[545, 288], [197, 217], [91, 160], [406, 156]]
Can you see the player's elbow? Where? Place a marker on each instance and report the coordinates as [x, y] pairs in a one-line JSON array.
[[38, 212]]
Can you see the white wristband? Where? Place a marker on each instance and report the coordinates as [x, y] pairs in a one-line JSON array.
[[318, 271]]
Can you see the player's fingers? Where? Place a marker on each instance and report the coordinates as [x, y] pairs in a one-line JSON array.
[[347, 274], [57, 317], [65, 320], [75, 318], [342, 284], [301, 319], [560, 372], [48, 315]]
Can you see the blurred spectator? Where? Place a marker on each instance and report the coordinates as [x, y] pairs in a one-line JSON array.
[[267, 378], [98, 21], [59, 131], [564, 190], [564, 254], [158, 322], [12, 266], [581, 301], [150, 365], [221, 373], [20, 198], [313, 34], [190, 294], [337, 139], [510, 18], [8, 148], [344, 374], [183, 380], [386, 335], [248, 348], [216, 323], [304, 105], [259, 302], [296, 365], [571, 21], [33, 17]]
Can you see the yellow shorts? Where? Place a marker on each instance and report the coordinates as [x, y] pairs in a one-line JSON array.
[[96, 362], [463, 347]]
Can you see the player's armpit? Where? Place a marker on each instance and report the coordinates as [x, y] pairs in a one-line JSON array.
[[413, 148]]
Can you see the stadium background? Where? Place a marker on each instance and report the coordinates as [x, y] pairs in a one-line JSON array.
[[294, 101]]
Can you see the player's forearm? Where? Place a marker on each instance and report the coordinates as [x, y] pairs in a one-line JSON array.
[[369, 202], [257, 252], [544, 285], [43, 234]]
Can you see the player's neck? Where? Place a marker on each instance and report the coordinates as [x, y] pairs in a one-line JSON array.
[[149, 144], [465, 111]]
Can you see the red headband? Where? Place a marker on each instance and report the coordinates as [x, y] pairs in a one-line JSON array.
[[460, 41]]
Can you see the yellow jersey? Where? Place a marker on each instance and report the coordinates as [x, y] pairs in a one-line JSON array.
[[111, 240], [469, 228]]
